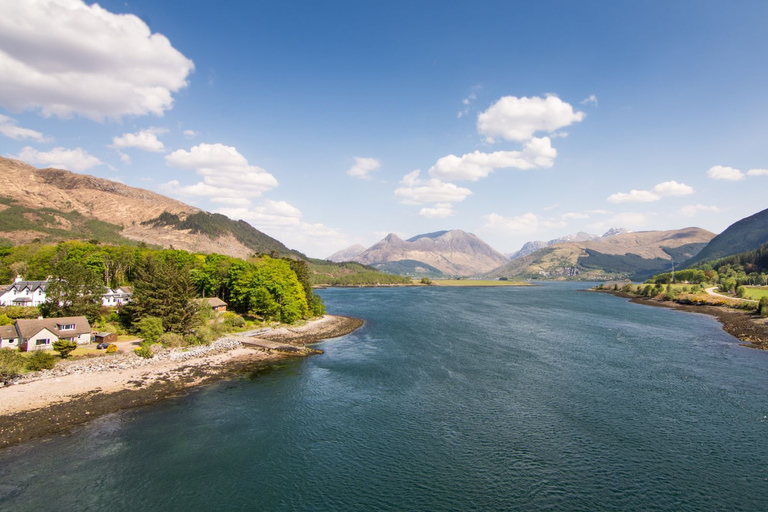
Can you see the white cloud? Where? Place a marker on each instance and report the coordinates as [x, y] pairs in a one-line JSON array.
[[525, 223], [190, 134], [226, 173], [519, 119], [363, 167], [692, 209], [77, 159], [718, 172], [145, 140], [66, 57], [538, 153], [666, 189], [124, 158], [591, 100], [284, 221], [634, 196], [418, 191], [757, 172], [439, 211], [467, 102], [574, 215], [9, 129], [672, 188], [599, 212]]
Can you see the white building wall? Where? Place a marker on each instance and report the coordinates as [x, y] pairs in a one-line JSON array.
[[45, 334]]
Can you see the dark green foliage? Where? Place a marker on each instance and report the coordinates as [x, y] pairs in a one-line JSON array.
[[75, 290], [267, 288], [165, 291], [64, 347], [11, 363], [150, 328], [328, 273], [41, 361], [412, 268], [317, 306], [762, 308], [681, 276], [632, 265], [143, 351], [15, 312], [684, 252], [216, 225], [745, 235]]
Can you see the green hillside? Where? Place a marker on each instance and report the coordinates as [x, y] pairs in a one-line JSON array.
[[409, 268], [745, 235], [328, 273]]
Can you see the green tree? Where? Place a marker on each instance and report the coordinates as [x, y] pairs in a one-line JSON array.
[[11, 363], [5, 320], [74, 291], [150, 329], [64, 347], [762, 308]]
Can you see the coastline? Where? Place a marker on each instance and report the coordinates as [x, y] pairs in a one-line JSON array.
[[747, 327], [51, 404]]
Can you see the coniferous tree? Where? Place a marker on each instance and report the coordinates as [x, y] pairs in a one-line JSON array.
[[74, 290]]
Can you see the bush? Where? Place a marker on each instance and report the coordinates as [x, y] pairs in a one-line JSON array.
[[762, 308], [11, 363], [64, 347], [111, 349], [150, 328], [5, 320], [41, 361], [143, 351], [171, 339], [200, 336], [233, 320]]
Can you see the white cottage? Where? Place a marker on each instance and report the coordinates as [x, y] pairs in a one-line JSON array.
[[40, 334], [9, 337], [24, 293]]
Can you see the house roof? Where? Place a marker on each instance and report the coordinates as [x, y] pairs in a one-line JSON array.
[[214, 302], [28, 328], [8, 332], [32, 285]]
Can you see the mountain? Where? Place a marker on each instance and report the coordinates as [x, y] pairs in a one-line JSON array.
[[348, 254], [449, 252], [53, 204], [581, 236], [633, 255], [745, 235]]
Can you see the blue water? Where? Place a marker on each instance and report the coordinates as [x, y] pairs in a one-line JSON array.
[[540, 398]]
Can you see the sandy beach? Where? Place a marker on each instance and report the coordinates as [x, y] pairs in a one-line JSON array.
[[42, 405]]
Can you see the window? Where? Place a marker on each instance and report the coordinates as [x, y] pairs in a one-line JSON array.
[[67, 327], [43, 342]]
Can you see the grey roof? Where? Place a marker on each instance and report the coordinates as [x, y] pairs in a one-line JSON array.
[[8, 332], [214, 302], [28, 328], [32, 285]]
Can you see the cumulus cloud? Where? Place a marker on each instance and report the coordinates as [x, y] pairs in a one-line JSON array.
[[414, 190], [77, 159], [9, 129], [190, 134], [692, 209], [145, 140], [719, 172], [538, 153], [519, 119], [757, 172], [226, 173], [666, 189], [363, 168], [591, 100], [66, 57], [439, 211]]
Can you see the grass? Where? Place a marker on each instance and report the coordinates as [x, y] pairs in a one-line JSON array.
[[79, 351], [756, 293], [475, 282]]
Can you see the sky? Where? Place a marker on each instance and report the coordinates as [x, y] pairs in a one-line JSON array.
[[327, 124]]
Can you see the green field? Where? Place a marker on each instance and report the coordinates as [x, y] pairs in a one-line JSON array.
[[756, 293], [474, 282]]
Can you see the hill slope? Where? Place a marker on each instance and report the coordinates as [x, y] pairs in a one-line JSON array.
[[745, 235], [450, 252], [633, 255], [348, 254], [54, 204]]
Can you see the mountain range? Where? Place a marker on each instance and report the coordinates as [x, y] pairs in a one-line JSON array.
[[581, 236]]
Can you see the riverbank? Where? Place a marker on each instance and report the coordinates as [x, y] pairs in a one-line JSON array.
[[53, 401], [744, 325]]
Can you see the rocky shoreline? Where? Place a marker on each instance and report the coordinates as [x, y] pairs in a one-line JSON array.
[[55, 400], [744, 325]]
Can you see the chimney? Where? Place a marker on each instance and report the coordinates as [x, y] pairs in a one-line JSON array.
[[18, 278]]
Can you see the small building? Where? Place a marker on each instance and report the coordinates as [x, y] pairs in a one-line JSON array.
[[216, 304], [9, 337], [40, 334], [24, 293], [117, 297], [105, 337]]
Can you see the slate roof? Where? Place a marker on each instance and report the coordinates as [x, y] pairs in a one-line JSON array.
[[28, 328], [8, 332], [32, 285]]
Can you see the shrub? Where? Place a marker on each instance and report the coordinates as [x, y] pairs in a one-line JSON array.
[[762, 308], [150, 328], [111, 349], [11, 363], [233, 320], [143, 351], [171, 339], [5, 320], [41, 361], [200, 336], [64, 347]]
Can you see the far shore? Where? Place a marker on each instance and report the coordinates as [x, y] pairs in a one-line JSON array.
[[744, 325], [47, 404]]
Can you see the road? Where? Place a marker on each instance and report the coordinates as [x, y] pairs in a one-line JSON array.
[[711, 291]]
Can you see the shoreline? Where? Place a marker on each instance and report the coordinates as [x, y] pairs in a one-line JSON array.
[[47, 405], [749, 328]]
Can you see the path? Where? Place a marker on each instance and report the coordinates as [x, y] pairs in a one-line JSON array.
[[711, 291]]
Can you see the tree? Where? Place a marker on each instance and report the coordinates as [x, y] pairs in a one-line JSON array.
[[11, 363], [164, 290], [74, 291], [762, 308], [150, 329], [64, 347]]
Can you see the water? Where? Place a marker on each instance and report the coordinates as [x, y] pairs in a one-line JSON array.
[[541, 398]]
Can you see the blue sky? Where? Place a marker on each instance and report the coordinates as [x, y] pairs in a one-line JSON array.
[[308, 119]]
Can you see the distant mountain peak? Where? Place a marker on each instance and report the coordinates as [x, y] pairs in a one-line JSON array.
[[392, 238], [348, 254], [615, 231], [435, 234]]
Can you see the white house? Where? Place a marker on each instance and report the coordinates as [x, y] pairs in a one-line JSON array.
[[24, 293], [40, 334], [9, 337], [117, 297]]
